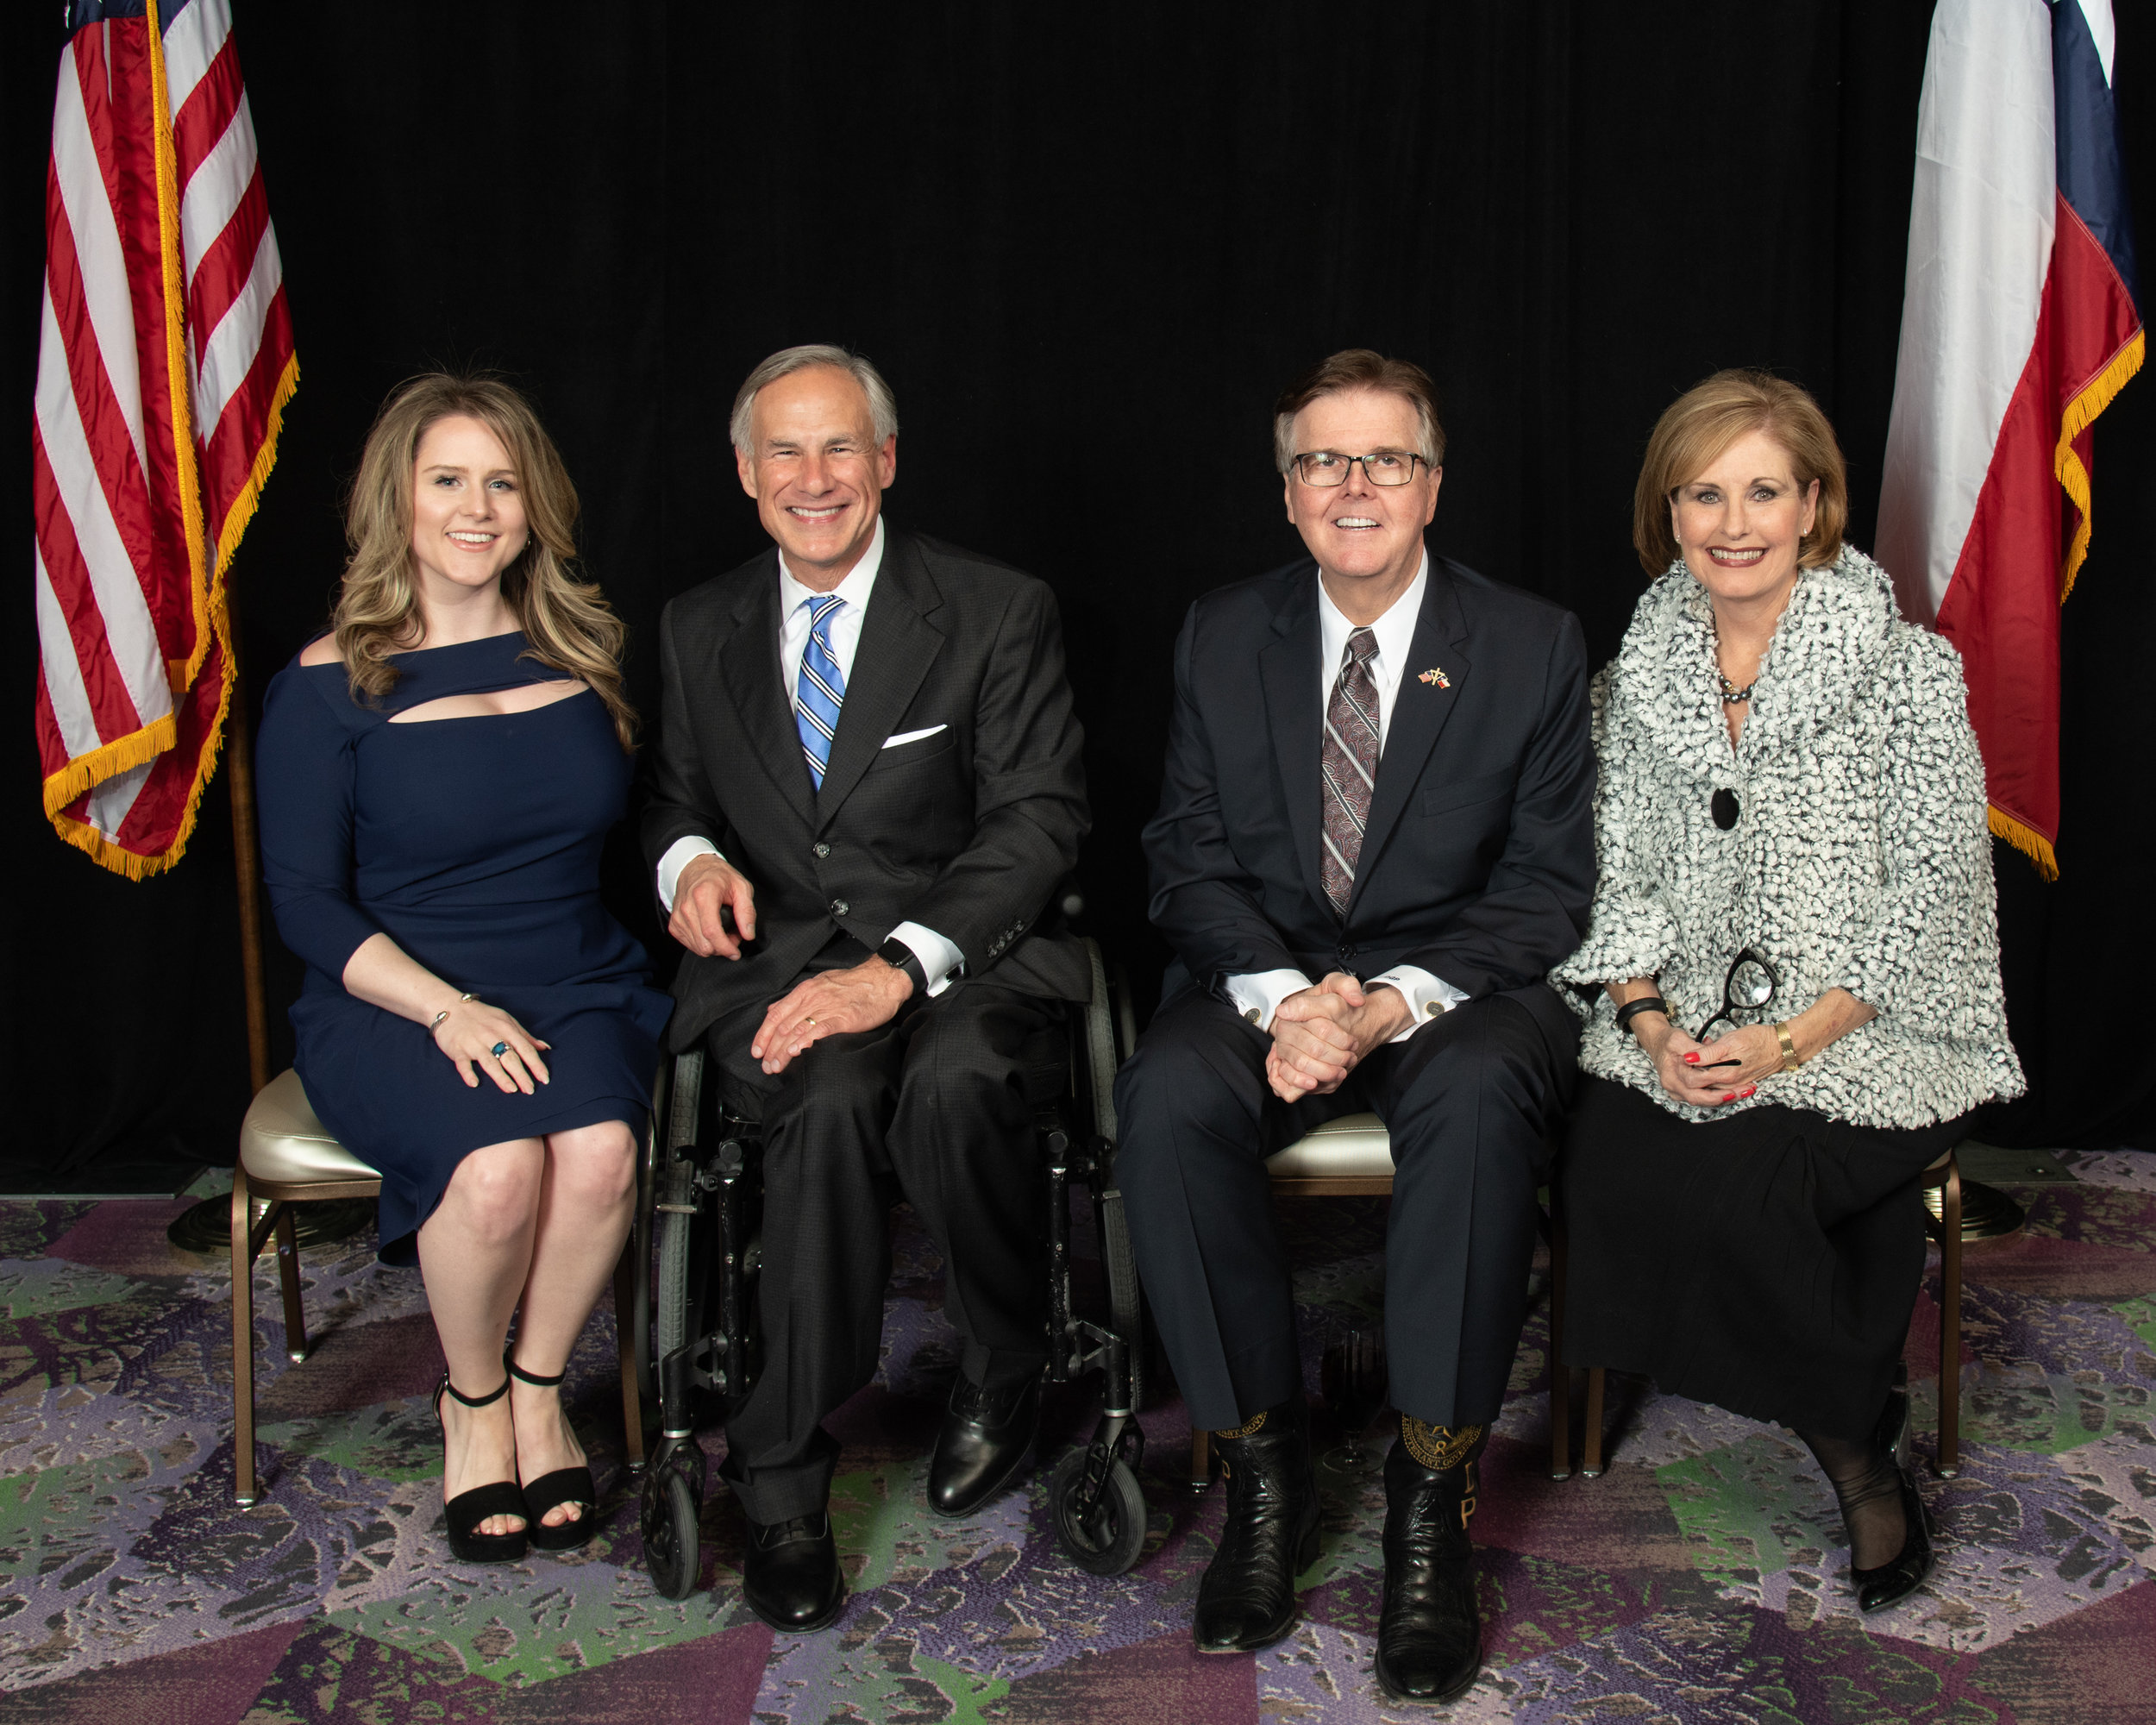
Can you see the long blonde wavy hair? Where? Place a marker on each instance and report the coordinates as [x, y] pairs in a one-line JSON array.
[[571, 628]]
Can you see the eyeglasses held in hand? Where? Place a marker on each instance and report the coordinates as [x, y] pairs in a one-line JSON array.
[[1750, 985], [1327, 467]]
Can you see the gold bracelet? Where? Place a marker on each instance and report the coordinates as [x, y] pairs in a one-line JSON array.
[[1789, 1061]]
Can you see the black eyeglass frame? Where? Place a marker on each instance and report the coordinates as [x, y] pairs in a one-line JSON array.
[[1731, 1005], [1303, 473]]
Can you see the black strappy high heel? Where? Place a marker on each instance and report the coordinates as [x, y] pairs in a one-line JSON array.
[[564, 1485], [465, 1511]]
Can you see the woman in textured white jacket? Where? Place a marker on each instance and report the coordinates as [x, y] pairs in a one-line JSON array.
[[1791, 982]]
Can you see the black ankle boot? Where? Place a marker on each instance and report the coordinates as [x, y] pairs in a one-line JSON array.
[[1247, 1599], [1429, 1630]]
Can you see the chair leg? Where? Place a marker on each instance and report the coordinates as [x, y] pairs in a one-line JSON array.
[[626, 1349], [296, 1349], [1591, 1448], [1560, 1373], [1950, 1324], [1200, 1459], [243, 1492]]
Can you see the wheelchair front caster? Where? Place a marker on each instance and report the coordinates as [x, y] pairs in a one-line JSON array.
[[669, 1511], [1105, 1539]]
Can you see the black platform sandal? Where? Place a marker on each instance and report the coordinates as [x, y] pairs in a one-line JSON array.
[[564, 1485], [465, 1511]]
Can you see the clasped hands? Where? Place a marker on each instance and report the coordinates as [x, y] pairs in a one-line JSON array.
[[830, 1003], [1320, 1034], [1690, 1071]]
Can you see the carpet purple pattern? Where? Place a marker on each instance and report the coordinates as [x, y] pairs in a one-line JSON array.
[[1701, 1578]]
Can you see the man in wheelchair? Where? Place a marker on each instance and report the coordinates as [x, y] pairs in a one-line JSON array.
[[866, 787]]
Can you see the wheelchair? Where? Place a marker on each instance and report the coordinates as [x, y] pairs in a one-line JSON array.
[[698, 1251]]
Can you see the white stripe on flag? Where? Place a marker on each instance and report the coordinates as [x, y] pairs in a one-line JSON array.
[[63, 670], [114, 800], [238, 336], [1980, 234], [98, 258], [214, 189], [191, 41], [130, 632]]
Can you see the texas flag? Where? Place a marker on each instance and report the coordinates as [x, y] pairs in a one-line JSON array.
[[2018, 326]]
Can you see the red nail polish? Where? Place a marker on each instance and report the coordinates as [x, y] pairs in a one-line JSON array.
[[1691, 1060], [1751, 1090], [1731, 1097]]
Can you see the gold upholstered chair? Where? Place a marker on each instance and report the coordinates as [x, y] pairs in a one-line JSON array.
[[287, 1156], [1943, 1177], [1350, 1157]]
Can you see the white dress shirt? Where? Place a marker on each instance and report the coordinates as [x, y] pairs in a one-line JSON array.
[[940, 960], [1257, 996]]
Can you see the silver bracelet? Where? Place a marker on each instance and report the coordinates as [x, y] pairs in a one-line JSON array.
[[445, 1012]]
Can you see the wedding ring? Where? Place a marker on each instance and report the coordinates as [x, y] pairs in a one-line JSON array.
[[498, 1049]]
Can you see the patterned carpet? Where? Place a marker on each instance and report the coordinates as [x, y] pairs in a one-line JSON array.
[[1700, 1580]]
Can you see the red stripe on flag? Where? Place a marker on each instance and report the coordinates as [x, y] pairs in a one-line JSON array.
[[223, 269], [94, 76], [228, 462], [207, 111], [104, 420], [111, 707], [175, 778]]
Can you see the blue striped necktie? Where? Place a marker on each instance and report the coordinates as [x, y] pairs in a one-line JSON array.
[[821, 688]]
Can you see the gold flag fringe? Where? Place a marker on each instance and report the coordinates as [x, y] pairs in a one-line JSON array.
[[2025, 840], [2081, 413]]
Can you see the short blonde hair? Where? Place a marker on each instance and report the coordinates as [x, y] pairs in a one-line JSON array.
[[1706, 420], [1360, 369], [570, 626]]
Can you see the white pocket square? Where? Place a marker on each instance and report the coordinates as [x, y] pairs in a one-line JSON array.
[[912, 736]]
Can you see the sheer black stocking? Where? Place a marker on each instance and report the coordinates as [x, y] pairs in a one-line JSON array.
[[1868, 1482]]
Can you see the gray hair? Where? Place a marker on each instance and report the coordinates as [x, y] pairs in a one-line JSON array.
[[883, 407]]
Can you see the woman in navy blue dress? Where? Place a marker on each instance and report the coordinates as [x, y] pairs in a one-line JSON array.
[[437, 775]]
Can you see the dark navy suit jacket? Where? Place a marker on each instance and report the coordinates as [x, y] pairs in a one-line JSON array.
[[1478, 858]]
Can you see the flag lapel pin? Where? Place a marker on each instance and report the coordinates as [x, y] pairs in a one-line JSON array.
[[1434, 675]]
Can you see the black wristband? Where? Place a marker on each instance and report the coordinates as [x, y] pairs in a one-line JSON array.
[[901, 957], [1645, 1003]]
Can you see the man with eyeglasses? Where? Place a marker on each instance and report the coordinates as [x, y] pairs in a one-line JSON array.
[[1374, 841], [866, 788]]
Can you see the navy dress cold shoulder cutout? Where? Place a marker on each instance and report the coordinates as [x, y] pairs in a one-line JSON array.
[[475, 844]]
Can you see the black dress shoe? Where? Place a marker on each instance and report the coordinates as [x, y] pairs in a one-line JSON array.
[[1247, 1599], [1429, 1629], [790, 1576], [1876, 1588], [983, 1443]]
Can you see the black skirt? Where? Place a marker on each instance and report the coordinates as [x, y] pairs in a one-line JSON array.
[[1766, 1262]]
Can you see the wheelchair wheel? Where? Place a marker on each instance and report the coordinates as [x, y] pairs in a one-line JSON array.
[[1107, 1542], [669, 1518]]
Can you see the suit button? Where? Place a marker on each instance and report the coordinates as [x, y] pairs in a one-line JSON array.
[[839, 907], [822, 850], [1349, 950]]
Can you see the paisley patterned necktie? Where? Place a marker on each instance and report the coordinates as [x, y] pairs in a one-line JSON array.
[[1349, 760], [821, 689]]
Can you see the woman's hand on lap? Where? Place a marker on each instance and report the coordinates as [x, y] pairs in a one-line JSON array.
[[469, 1036], [1683, 1067]]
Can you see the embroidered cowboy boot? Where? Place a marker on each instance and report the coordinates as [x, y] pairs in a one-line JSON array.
[[1247, 1599], [1429, 1631]]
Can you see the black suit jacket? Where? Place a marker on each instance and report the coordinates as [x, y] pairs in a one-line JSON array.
[[967, 831], [1478, 858]]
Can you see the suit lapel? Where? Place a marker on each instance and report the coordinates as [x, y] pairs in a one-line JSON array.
[[749, 661], [1288, 666], [1419, 712], [897, 645]]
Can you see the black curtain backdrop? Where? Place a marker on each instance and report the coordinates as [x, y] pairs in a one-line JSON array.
[[1087, 254]]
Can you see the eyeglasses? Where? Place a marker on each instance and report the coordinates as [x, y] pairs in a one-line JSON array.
[[1750, 985], [1327, 467]]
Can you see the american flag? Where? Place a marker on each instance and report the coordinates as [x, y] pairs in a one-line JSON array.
[[163, 364]]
